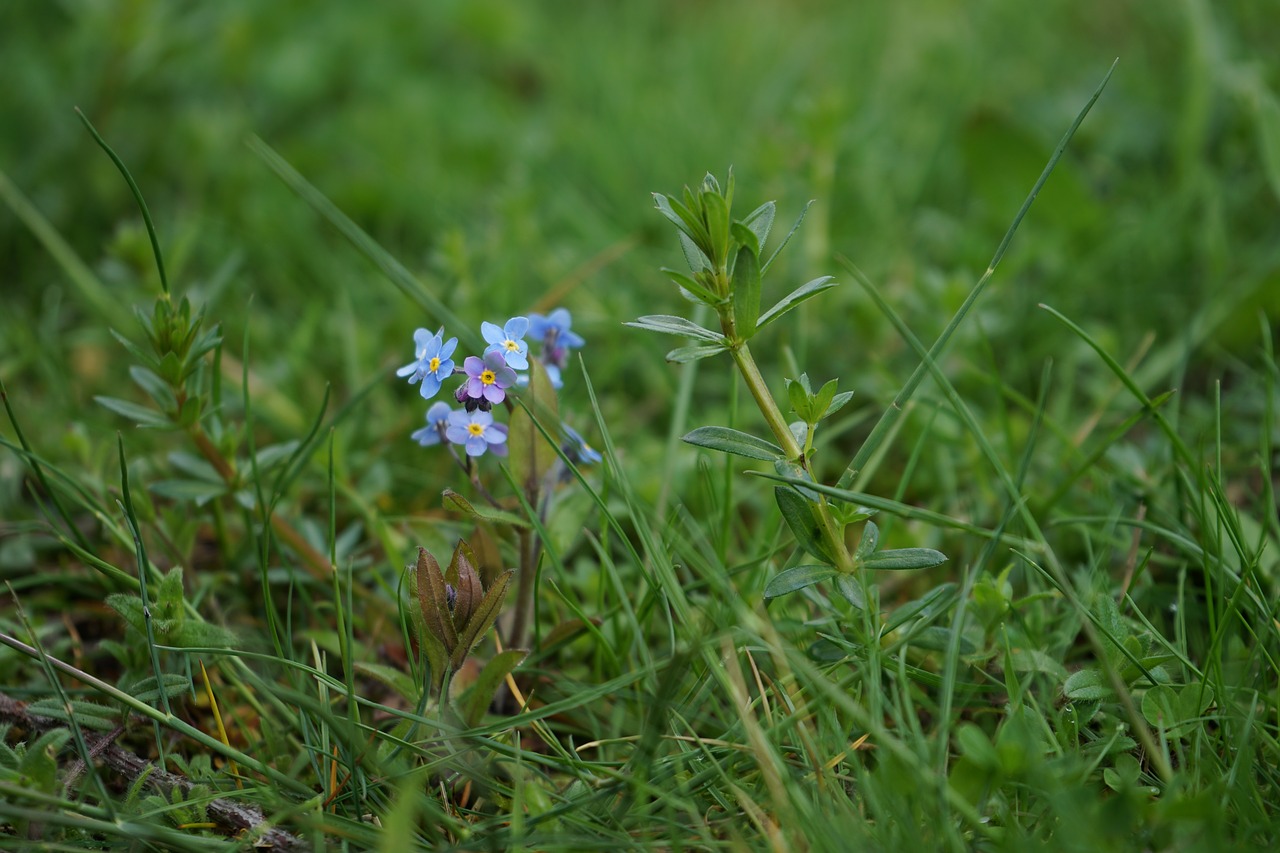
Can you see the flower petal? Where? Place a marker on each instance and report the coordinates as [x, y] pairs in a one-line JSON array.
[[516, 327]]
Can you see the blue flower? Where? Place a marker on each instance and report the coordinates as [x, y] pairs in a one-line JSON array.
[[553, 329], [437, 420], [509, 340], [577, 449], [433, 364], [477, 432]]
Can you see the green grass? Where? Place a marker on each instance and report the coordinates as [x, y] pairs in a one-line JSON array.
[[1095, 667]]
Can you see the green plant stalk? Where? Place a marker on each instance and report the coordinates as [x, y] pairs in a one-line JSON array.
[[782, 432]]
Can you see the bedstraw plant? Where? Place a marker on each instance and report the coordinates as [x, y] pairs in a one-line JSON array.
[[728, 261]]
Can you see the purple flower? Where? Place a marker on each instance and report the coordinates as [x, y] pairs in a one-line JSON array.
[[433, 432], [486, 381], [477, 432], [432, 364], [509, 340]]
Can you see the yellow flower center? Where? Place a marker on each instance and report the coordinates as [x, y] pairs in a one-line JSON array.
[[511, 346], [476, 429], [435, 364], [488, 377]]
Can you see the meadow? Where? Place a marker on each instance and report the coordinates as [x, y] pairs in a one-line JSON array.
[[850, 426]]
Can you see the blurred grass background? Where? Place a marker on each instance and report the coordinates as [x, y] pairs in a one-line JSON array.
[[505, 153]]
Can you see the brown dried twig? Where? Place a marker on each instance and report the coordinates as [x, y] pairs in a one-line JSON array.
[[231, 817]]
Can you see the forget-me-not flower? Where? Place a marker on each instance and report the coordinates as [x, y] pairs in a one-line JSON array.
[[576, 447], [437, 420], [433, 364], [487, 381], [508, 340], [477, 432], [554, 328]]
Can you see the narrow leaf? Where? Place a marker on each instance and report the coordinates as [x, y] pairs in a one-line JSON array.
[[808, 290], [140, 415], [455, 501], [760, 221], [796, 578], [799, 517], [870, 539], [787, 239], [670, 325], [903, 559], [746, 292], [728, 440], [488, 682], [684, 355]]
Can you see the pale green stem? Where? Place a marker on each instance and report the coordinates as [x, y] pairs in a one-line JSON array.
[[782, 432]]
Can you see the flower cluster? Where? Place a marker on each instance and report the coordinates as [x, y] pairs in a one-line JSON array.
[[487, 377]]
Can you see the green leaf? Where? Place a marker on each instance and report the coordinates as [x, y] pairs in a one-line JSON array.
[[822, 400], [787, 468], [904, 559], [455, 501], [977, 747], [1087, 684], [130, 608], [691, 289], [799, 517], [39, 767], [746, 292], [760, 221], [798, 396], [196, 466], [786, 239], [480, 697], [799, 577], [396, 679], [530, 454], [148, 359], [683, 355], [808, 290], [273, 454], [867, 544], [717, 214], [681, 216], [837, 403], [155, 387], [728, 440], [89, 715], [849, 587], [172, 684], [198, 491], [195, 635], [669, 325], [695, 257], [745, 237], [923, 609], [140, 415]]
